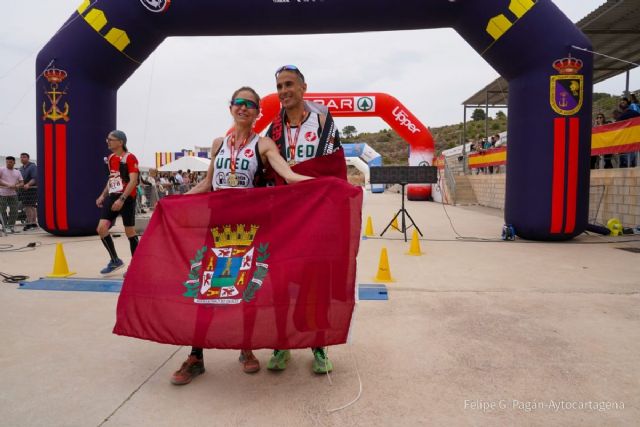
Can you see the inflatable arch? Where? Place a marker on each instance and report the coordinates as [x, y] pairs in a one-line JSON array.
[[528, 42], [382, 105], [362, 156]]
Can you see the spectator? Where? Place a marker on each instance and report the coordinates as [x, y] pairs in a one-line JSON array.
[[163, 186], [28, 195], [625, 113], [634, 104], [152, 188], [10, 180], [595, 160]]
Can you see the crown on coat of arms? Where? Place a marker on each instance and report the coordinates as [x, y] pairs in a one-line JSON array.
[[230, 237], [568, 65], [54, 75]]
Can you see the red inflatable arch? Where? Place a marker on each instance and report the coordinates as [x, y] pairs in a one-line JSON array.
[[380, 105]]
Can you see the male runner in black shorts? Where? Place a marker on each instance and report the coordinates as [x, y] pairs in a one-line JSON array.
[[118, 197]]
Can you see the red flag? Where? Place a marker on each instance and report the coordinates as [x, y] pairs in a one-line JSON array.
[[246, 269]]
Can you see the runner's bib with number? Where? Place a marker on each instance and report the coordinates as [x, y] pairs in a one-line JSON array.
[[116, 185]]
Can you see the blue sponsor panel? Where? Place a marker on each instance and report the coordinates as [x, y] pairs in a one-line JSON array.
[[367, 154]]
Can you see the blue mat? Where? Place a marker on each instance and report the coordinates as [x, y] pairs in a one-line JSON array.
[[365, 291], [369, 291], [77, 285]]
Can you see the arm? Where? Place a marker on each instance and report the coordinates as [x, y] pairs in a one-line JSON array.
[[102, 195], [2, 182], [204, 186], [269, 151]]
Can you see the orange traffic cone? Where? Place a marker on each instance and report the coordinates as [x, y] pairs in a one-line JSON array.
[[384, 274], [394, 224], [60, 267], [414, 248], [368, 230]]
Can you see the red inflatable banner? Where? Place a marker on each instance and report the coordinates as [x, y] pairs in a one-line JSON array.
[[246, 269], [370, 104]]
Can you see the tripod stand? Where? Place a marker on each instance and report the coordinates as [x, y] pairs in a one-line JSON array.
[[403, 211]]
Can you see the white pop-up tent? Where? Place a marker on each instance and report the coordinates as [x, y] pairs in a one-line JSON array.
[[195, 164]]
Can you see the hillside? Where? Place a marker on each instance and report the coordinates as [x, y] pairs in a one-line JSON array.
[[395, 151]]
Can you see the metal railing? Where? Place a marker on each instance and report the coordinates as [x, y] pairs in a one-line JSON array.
[[451, 180], [17, 208]]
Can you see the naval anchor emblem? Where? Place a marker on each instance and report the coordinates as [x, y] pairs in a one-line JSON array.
[[55, 76], [567, 88]]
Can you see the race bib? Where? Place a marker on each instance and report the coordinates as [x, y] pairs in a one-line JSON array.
[[115, 184]]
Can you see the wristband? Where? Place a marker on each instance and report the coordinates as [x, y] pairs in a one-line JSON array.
[[123, 198]]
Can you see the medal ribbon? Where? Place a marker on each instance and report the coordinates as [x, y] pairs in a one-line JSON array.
[[233, 153], [293, 142]]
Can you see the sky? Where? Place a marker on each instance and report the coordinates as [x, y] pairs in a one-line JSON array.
[[178, 98]]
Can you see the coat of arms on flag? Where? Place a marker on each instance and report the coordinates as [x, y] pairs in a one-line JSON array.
[[231, 271]]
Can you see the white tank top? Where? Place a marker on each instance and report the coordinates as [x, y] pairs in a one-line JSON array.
[[308, 138], [247, 165]]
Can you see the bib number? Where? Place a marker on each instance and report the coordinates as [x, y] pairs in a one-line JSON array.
[[116, 185]]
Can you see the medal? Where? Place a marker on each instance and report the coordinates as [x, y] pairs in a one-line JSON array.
[[293, 142], [232, 180]]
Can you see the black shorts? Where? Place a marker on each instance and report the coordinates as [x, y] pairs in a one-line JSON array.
[[28, 197], [128, 211]]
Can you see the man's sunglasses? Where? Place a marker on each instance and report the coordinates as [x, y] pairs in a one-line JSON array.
[[238, 102], [289, 68]]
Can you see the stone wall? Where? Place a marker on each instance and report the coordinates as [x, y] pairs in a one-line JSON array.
[[489, 189], [614, 193]]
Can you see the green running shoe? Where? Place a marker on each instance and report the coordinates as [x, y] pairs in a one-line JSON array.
[[321, 363], [278, 361]]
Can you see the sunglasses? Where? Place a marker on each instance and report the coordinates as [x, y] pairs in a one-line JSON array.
[[238, 102], [289, 68]]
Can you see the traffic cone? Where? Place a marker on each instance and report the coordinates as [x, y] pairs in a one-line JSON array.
[[394, 224], [368, 230], [384, 274], [60, 267], [414, 248]]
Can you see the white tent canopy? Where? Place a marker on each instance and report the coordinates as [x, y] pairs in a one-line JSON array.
[[195, 164]]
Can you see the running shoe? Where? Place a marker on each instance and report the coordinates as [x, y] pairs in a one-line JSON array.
[[191, 368], [321, 363], [278, 361], [112, 266]]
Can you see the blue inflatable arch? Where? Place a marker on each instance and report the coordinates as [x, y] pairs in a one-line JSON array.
[[528, 42]]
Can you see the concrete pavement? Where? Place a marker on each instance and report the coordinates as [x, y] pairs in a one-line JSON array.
[[475, 332]]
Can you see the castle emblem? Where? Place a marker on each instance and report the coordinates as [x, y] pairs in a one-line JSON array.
[[567, 88], [231, 271]]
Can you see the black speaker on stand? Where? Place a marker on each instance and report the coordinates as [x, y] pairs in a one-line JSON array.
[[403, 175]]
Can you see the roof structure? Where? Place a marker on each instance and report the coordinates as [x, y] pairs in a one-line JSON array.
[[614, 30]]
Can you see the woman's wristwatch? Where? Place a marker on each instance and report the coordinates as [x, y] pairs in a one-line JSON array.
[[123, 198]]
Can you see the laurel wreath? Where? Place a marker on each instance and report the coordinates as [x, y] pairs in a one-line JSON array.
[[193, 283], [260, 273]]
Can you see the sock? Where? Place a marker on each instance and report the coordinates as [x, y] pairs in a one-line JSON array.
[[108, 243], [133, 244], [197, 352]]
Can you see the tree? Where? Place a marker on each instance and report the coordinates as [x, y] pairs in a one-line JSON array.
[[349, 131], [478, 114], [501, 115]]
